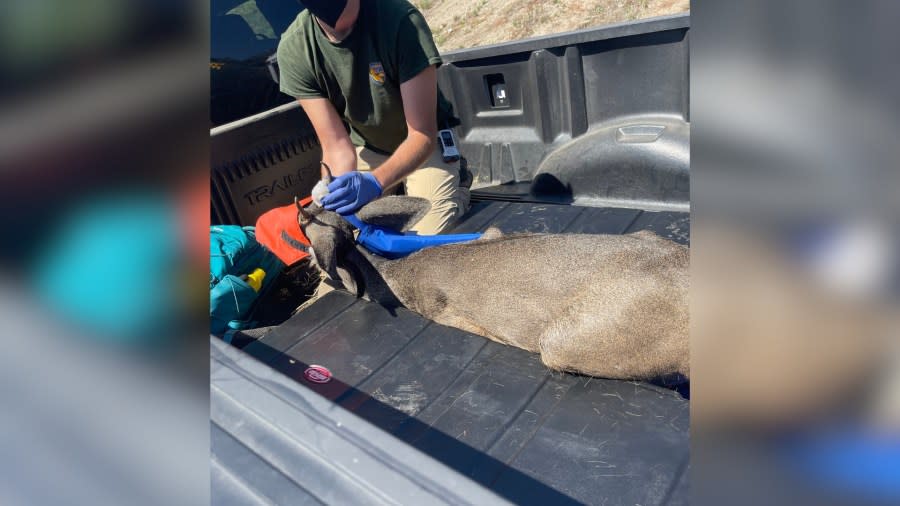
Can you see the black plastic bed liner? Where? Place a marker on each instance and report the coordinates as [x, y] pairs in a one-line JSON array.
[[491, 412]]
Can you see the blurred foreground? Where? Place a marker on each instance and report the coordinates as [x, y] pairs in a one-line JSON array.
[[795, 280], [103, 156]]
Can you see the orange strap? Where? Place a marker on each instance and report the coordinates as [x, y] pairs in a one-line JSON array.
[[279, 231]]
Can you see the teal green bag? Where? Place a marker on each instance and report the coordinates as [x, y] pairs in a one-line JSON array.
[[233, 255]]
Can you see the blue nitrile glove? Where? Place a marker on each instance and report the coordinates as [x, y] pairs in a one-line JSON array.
[[351, 191]]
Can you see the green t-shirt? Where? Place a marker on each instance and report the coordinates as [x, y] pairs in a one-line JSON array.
[[361, 75]]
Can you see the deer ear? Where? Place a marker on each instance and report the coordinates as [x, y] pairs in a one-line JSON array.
[[396, 212], [326, 172]]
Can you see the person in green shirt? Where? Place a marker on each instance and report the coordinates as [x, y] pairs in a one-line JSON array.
[[373, 63]]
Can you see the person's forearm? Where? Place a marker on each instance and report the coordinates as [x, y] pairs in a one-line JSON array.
[[409, 156], [340, 157]]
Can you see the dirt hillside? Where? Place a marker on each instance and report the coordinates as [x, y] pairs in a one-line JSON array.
[[467, 23]]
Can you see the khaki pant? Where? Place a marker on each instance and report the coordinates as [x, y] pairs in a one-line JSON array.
[[434, 180]]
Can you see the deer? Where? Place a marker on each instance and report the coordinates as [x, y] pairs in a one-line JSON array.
[[610, 306]]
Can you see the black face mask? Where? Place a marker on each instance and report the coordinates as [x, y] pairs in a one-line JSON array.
[[327, 10]]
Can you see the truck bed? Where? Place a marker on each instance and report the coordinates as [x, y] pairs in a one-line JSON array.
[[491, 412]]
